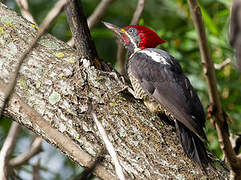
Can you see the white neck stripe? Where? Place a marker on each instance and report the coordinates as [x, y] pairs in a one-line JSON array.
[[132, 41], [155, 56]]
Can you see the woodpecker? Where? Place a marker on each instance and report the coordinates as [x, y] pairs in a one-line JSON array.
[[158, 79]]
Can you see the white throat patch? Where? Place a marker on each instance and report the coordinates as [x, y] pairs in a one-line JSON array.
[[135, 50], [155, 56]]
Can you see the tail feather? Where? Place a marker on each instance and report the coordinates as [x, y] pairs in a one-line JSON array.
[[193, 146]]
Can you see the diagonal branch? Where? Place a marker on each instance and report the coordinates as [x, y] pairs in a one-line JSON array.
[[34, 149], [110, 148], [23, 5], [95, 16], [62, 141], [10, 142], [7, 149], [98, 13], [138, 12], [42, 29], [220, 116], [81, 33]]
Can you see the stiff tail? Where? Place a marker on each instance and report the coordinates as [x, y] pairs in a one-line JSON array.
[[193, 146]]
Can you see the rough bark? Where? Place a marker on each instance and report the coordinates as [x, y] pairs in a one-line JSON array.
[[81, 33], [57, 85]]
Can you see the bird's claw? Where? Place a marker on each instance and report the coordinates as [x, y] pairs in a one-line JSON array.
[[129, 90]]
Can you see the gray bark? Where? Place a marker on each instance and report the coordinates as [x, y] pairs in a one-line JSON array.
[[51, 98], [79, 28]]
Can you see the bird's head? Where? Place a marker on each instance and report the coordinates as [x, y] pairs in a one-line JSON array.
[[135, 36]]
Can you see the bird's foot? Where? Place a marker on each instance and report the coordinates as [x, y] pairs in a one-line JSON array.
[[124, 86], [129, 90]]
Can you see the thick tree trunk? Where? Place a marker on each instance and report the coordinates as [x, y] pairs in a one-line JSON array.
[[57, 85]]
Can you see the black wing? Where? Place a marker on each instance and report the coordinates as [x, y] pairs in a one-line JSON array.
[[164, 80]]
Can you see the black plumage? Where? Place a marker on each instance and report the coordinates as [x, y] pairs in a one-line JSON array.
[[165, 82]]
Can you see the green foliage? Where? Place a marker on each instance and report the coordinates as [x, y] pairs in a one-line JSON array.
[[4, 127]]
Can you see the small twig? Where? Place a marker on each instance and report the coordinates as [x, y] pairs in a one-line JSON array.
[[34, 149], [110, 148], [98, 13], [95, 16], [220, 117], [223, 64], [7, 149], [120, 51], [42, 29], [36, 169], [23, 5], [138, 12]]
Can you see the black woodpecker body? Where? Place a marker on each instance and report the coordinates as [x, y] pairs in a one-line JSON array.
[[157, 79]]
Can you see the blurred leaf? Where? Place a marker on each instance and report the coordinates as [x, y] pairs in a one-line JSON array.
[[208, 21]]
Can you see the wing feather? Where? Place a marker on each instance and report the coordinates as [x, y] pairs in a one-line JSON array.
[[167, 84]]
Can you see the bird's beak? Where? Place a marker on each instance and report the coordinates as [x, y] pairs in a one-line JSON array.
[[115, 29]]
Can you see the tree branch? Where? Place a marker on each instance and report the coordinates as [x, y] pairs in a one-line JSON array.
[[220, 116], [51, 96], [88, 172], [110, 148], [81, 33], [98, 12], [58, 138], [95, 16], [23, 5], [7, 149], [138, 12], [36, 173], [34, 149], [42, 29], [223, 64]]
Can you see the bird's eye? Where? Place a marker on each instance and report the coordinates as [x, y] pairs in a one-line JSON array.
[[132, 31]]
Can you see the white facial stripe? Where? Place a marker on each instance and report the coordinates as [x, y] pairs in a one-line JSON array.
[[155, 56], [132, 41], [135, 50]]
